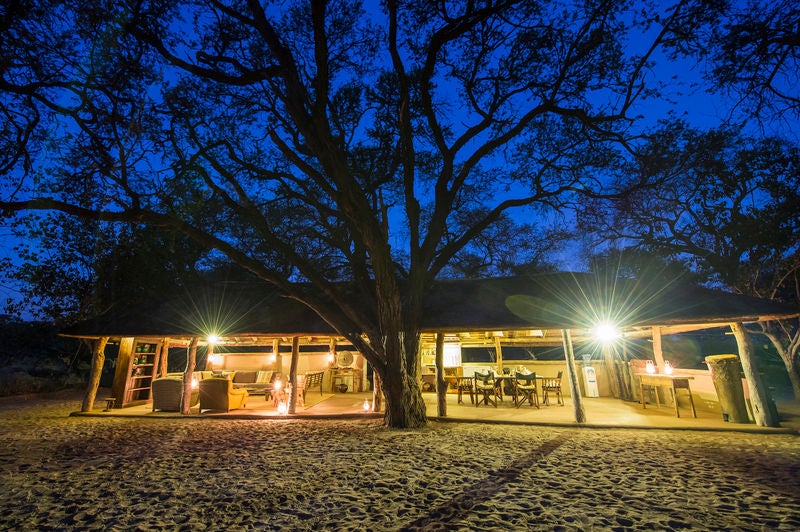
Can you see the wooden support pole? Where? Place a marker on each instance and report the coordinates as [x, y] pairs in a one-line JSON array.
[[164, 359], [441, 385], [98, 359], [499, 351], [191, 362], [276, 350], [293, 374], [764, 415], [658, 353], [611, 370], [572, 376]]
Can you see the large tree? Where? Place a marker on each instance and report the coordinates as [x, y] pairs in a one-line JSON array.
[[334, 141], [728, 207]]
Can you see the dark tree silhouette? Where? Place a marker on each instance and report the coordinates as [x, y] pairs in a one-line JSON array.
[[331, 141]]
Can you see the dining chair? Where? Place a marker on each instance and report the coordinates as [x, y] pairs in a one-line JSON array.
[[464, 384], [485, 389], [525, 389], [552, 385]]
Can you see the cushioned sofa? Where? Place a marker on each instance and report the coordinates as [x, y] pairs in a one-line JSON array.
[[254, 381]]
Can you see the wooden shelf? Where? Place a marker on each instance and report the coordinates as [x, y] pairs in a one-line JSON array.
[[138, 362]]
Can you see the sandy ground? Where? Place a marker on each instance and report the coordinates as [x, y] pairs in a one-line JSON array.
[[73, 473]]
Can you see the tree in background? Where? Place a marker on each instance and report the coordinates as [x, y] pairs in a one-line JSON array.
[[72, 269], [329, 141], [725, 205]]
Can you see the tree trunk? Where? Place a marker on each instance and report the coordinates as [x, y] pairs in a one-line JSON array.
[[794, 378], [788, 352], [405, 407], [764, 415], [98, 358], [191, 361], [441, 385]]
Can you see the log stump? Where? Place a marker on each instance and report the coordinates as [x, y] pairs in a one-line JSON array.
[[727, 376]]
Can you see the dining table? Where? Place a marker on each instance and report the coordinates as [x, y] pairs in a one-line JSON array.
[[673, 382]]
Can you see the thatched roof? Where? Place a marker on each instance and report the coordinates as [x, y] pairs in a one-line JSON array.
[[578, 300], [546, 301]]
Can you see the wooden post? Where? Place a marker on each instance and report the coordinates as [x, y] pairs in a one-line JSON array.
[[191, 361], [759, 399], [626, 391], [293, 374], [499, 351], [658, 353], [658, 356], [441, 385], [276, 350], [98, 359], [121, 375], [164, 357], [611, 369], [572, 377]]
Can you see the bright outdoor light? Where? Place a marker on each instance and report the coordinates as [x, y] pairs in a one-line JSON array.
[[606, 333], [212, 339]]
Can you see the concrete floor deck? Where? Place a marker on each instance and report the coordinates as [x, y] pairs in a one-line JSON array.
[[600, 412]]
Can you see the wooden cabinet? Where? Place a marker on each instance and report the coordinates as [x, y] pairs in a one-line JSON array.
[[137, 364]]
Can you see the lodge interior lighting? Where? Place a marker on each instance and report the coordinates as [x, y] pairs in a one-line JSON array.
[[667, 368], [366, 405], [650, 367], [606, 332]]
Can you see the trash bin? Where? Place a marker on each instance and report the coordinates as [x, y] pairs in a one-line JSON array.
[[726, 374]]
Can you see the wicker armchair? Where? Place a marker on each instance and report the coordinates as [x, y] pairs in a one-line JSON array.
[[167, 394], [218, 393]]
